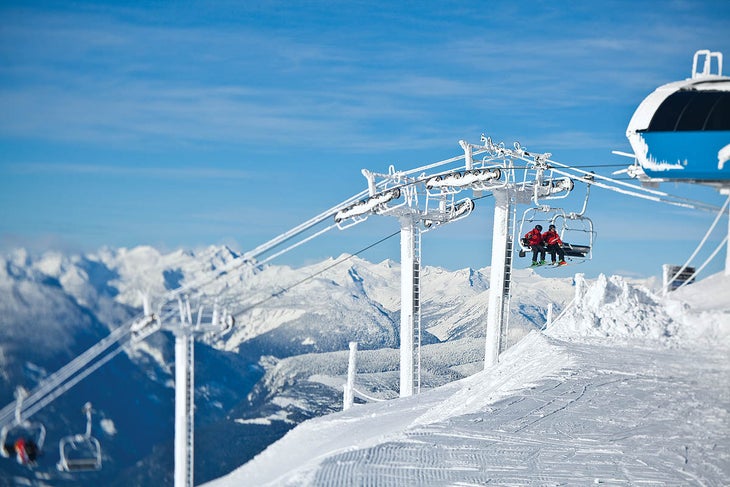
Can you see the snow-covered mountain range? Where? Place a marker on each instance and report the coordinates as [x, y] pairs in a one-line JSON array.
[[284, 362]]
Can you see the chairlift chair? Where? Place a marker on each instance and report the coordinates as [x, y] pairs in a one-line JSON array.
[[576, 231], [33, 434], [26, 431], [540, 215], [80, 452]]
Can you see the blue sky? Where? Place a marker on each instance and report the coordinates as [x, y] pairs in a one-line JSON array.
[[194, 123]]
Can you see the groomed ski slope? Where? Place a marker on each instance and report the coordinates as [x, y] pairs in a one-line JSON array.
[[627, 388]]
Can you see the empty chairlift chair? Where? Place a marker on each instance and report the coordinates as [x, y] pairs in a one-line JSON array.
[[81, 452]]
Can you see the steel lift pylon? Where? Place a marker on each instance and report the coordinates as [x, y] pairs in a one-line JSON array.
[[399, 195], [185, 332], [410, 318], [500, 278]]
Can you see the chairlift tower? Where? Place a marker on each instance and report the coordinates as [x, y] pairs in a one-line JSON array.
[[500, 277], [410, 299], [507, 192], [400, 198], [185, 332], [502, 247]]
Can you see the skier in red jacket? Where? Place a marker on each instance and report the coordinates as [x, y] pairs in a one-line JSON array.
[[26, 451], [554, 245], [533, 238]]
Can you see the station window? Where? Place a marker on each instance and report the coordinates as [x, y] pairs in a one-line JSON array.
[[719, 118], [693, 111], [666, 116]]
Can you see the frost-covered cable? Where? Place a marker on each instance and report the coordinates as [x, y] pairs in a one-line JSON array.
[[297, 244], [301, 281], [637, 191], [441, 163], [592, 174], [258, 303], [263, 248], [701, 244], [55, 380], [274, 242], [48, 398]]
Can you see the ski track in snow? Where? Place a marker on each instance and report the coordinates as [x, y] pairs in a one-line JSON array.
[[598, 421], [574, 430]]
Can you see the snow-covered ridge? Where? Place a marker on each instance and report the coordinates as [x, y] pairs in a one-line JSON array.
[[453, 301]]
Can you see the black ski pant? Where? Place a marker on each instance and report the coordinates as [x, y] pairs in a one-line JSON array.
[[537, 249], [555, 248]]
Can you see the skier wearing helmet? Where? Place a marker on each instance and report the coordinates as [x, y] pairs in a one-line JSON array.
[[533, 238], [554, 245]]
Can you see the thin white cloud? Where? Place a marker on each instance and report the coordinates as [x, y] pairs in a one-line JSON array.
[[126, 170], [96, 78]]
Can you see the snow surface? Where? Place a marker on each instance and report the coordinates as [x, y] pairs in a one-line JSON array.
[[624, 388]]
